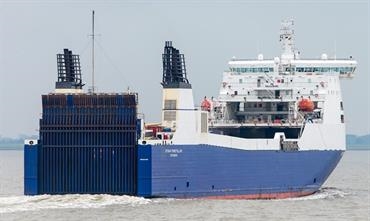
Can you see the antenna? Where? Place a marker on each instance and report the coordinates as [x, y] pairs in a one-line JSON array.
[[93, 54], [287, 39]]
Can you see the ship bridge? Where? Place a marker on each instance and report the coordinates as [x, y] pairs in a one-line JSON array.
[[280, 92], [345, 68]]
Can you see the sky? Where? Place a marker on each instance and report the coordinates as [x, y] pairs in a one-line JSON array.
[[130, 40]]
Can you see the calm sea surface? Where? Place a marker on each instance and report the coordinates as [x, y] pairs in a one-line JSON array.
[[345, 196]]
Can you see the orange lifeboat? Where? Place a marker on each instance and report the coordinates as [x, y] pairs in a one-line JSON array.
[[206, 105], [306, 105]]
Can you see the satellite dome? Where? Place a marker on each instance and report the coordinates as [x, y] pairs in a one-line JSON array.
[[324, 56]]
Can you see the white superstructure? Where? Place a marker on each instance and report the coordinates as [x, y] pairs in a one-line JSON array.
[[284, 102]]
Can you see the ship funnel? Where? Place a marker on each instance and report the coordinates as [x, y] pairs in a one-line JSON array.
[[174, 70], [69, 71], [177, 102]]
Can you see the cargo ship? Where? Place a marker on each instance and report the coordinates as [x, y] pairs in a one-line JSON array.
[[275, 130]]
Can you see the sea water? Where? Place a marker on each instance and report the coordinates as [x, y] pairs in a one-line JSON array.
[[345, 196]]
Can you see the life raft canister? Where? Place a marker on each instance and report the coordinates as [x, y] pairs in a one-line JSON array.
[[306, 105], [206, 105]]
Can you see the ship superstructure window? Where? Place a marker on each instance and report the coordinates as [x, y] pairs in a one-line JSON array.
[[324, 69], [170, 104], [253, 70]]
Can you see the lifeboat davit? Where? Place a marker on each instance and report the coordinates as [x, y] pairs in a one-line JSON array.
[[206, 105], [306, 105]]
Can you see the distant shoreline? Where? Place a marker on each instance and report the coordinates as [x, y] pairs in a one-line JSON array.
[[11, 146]]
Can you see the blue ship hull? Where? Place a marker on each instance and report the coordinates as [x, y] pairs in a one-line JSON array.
[[189, 171]]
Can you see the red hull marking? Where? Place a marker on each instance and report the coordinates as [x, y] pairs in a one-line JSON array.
[[262, 195]]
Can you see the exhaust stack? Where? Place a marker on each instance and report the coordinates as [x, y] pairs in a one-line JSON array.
[[69, 73]]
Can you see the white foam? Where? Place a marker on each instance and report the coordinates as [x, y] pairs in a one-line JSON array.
[[324, 193], [11, 204]]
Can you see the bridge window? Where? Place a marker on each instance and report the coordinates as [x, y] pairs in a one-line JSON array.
[[252, 70], [322, 69], [300, 69]]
